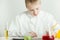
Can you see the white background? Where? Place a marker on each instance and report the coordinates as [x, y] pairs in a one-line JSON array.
[[10, 8]]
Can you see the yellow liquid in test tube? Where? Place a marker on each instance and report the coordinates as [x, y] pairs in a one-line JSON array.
[[6, 34], [57, 34]]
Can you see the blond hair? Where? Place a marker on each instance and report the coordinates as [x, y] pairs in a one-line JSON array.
[[30, 1]]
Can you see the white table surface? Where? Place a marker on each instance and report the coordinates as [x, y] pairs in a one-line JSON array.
[[10, 38]]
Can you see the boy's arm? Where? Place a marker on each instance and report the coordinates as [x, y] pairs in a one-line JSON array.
[[13, 29], [54, 26]]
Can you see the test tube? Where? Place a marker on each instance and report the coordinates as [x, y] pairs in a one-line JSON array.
[[6, 32]]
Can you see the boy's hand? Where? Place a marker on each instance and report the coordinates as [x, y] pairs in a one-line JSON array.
[[33, 34]]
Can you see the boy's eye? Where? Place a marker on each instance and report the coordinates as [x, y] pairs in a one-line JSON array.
[[31, 10], [37, 9]]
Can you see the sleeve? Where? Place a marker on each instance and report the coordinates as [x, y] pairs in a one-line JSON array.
[[13, 29], [53, 25]]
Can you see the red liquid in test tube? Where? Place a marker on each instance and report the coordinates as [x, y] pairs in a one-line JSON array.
[[47, 37]]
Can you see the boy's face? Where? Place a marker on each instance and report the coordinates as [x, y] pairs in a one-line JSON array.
[[33, 8]]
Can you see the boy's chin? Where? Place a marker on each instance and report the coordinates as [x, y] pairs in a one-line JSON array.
[[35, 15]]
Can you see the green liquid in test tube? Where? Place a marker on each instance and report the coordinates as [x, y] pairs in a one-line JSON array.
[[27, 38]]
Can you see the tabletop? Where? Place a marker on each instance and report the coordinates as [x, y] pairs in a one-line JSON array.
[[11, 38]]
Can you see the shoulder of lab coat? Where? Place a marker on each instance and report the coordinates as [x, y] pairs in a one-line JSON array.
[[49, 18], [52, 23], [14, 25], [54, 26]]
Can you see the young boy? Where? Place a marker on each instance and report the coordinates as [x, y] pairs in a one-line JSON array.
[[33, 22]]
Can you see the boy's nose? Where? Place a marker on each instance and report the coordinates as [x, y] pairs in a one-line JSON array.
[[35, 12]]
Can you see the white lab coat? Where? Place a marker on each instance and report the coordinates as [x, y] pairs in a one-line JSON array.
[[25, 23]]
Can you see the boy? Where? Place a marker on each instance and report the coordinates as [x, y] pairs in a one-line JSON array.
[[33, 22]]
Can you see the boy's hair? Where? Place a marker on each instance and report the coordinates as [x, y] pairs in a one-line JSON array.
[[30, 1]]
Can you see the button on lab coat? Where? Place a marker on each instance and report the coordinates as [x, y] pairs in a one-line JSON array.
[[25, 23]]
